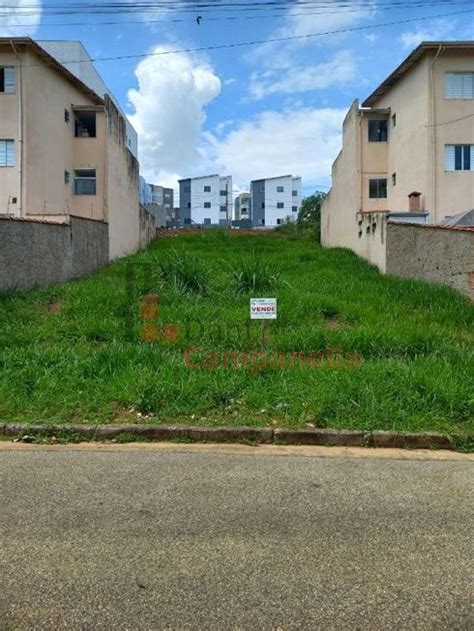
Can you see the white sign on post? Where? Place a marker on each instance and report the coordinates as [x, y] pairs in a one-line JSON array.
[[263, 308]]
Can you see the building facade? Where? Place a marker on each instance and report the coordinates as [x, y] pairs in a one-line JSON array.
[[160, 204], [408, 151], [243, 209], [145, 191], [275, 200], [206, 201], [162, 196], [76, 59], [64, 149]]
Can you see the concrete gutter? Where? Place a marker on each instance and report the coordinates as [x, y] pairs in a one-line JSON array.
[[265, 436]]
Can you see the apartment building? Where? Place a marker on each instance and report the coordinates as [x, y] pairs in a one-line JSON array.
[[162, 196], [75, 57], [65, 150], [243, 209], [408, 151], [159, 202], [206, 201], [275, 200]]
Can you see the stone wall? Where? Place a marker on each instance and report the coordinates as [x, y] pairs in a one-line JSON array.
[[38, 253], [436, 254], [147, 227]]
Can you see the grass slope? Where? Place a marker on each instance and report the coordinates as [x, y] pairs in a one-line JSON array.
[[73, 352]]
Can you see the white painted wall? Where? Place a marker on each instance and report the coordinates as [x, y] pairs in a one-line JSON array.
[[200, 198], [273, 214]]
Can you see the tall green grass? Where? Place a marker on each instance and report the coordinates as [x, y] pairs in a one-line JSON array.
[[85, 360], [252, 274]]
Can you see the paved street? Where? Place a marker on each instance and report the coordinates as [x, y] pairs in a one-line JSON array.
[[196, 537]]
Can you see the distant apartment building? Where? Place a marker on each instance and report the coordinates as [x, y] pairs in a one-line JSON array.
[[65, 148], [206, 201], [144, 192], [275, 200], [407, 154], [159, 202], [243, 209], [162, 196]]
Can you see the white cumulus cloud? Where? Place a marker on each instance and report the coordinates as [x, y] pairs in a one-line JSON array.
[[303, 64], [438, 30], [169, 112], [26, 13], [340, 69], [304, 142]]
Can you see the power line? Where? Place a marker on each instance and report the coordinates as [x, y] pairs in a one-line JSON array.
[[410, 5], [454, 120], [153, 7], [256, 42]]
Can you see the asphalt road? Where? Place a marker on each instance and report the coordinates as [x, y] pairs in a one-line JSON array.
[[189, 538]]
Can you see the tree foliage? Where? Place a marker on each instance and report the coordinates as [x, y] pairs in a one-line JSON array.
[[309, 216]]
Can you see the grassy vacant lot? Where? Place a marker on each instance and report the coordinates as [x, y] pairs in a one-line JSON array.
[[74, 353]]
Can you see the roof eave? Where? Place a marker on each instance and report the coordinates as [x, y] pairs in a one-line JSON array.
[[51, 61], [407, 63]]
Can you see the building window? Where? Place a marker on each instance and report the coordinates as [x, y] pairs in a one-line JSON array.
[[7, 153], [394, 120], [294, 193], [243, 211], [280, 189], [7, 80], [67, 115], [378, 188], [84, 182], [85, 126], [263, 204], [189, 204], [394, 179], [278, 221], [207, 204], [224, 193], [66, 177], [280, 205], [294, 209], [187, 220], [223, 209], [459, 85], [378, 130], [459, 157], [207, 189], [207, 222]]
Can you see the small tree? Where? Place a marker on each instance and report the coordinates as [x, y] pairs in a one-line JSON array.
[[309, 216]]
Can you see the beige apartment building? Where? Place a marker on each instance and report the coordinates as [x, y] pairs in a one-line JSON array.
[[63, 147], [408, 152]]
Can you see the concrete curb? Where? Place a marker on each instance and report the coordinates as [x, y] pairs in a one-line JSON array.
[[327, 437]]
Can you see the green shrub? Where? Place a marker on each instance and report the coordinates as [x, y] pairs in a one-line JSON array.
[[185, 273], [253, 274]]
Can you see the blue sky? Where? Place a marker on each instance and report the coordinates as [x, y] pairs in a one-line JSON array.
[[255, 111]]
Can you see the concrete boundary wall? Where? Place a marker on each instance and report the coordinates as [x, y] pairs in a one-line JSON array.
[[436, 254], [39, 253]]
